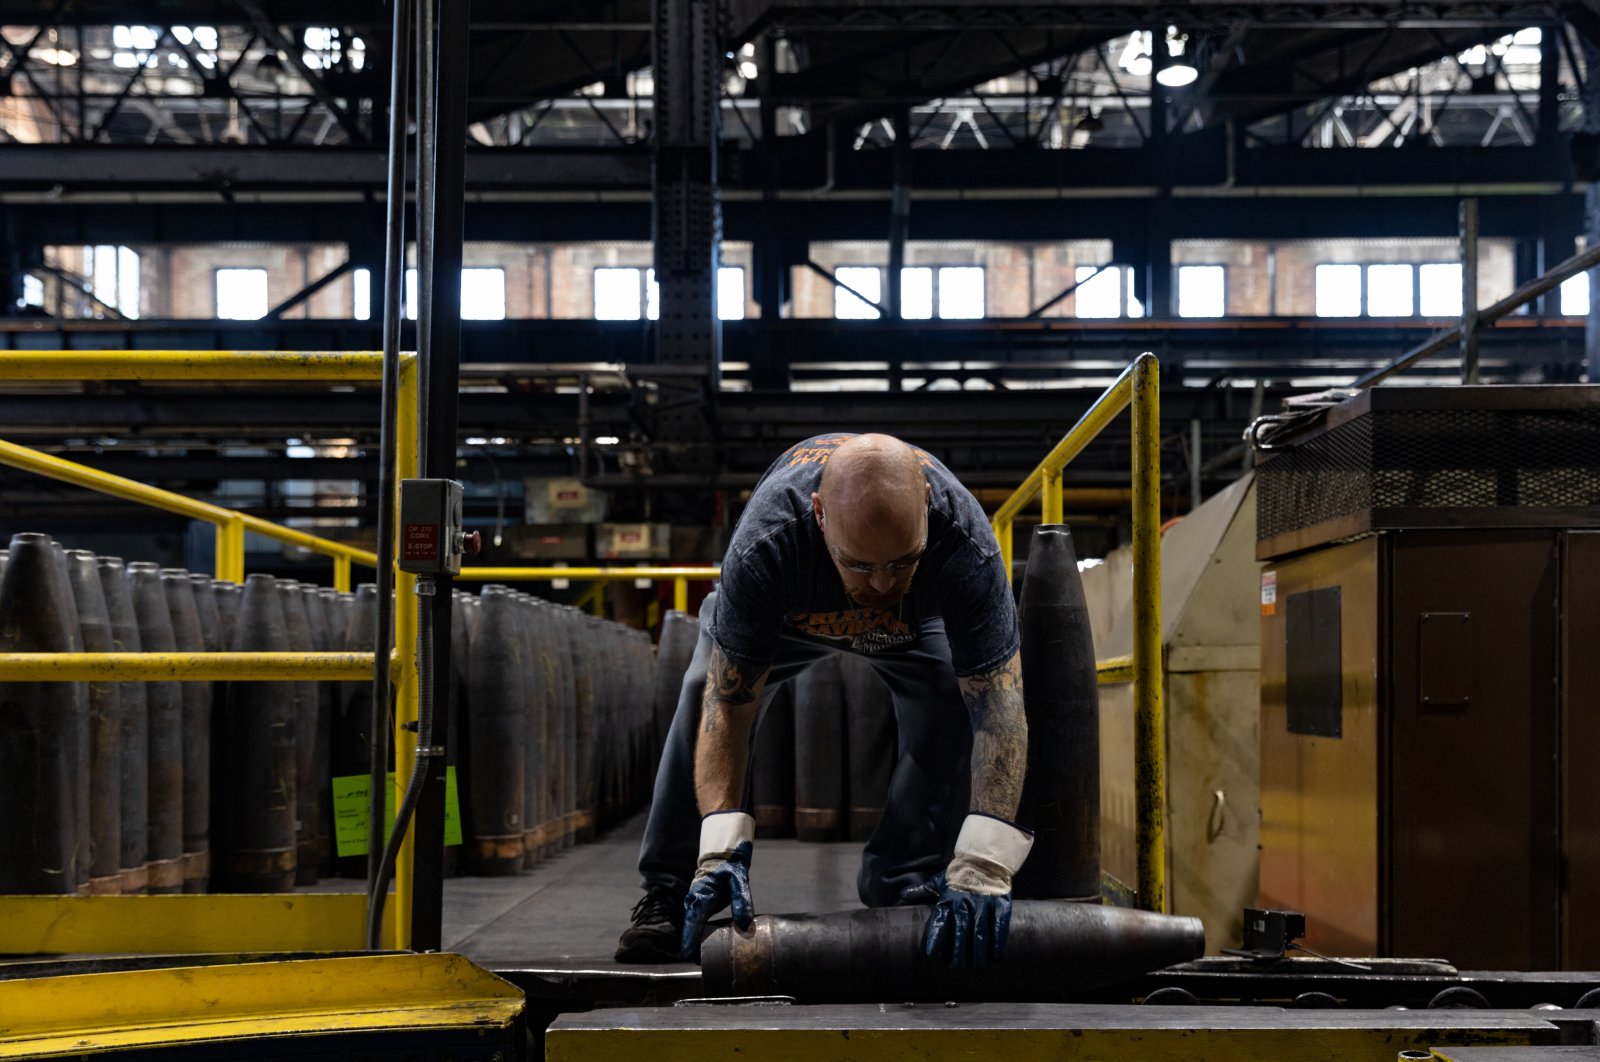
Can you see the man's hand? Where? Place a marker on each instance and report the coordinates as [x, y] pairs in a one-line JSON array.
[[723, 877], [971, 917]]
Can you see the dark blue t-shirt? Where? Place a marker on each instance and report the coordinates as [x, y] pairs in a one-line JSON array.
[[778, 574]]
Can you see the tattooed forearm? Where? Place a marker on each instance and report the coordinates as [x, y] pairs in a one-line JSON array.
[[999, 738], [726, 685], [722, 747]]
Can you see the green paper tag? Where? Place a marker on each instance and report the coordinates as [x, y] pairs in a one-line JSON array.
[[350, 811]]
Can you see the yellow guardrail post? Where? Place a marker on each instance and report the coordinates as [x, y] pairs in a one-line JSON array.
[[1150, 764], [1051, 502], [341, 572], [407, 690], [233, 534], [1002, 535], [1138, 386], [680, 594]]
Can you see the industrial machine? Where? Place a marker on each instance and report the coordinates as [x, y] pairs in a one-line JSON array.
[[1428, 682]]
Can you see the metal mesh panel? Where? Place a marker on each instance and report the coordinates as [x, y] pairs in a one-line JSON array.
[[1329, 476], [1434, 459]]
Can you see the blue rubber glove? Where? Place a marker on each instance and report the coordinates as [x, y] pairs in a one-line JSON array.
[[971, 916], [723, 877]]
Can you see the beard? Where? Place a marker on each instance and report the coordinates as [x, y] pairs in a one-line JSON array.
[[870, 598]]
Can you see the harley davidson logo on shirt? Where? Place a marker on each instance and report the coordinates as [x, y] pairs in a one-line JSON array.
[[864, 630]]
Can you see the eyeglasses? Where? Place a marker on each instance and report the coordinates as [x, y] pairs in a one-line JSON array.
[[899, 567]]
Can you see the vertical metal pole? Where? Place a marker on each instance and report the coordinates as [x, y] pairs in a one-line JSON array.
[[390, 454], [1469, 291], [1194, 465], [1591, 206], [1550, 84], [1050, 498], [341, 572], [687, 61], [407, 702], [680, 594], [770, 281], [442, 374], [1150, 765], [899, 212]]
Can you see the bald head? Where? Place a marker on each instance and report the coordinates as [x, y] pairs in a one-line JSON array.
[[872, 506], [874, 479]]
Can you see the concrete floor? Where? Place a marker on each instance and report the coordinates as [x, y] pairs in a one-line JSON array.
[[572, 907]]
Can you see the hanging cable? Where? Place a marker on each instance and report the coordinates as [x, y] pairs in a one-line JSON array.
[[393, 294]]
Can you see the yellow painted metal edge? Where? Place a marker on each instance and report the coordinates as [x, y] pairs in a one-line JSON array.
[[1149, 724], [1018, 1045], [151, 1009], [1114, 669], [182, 924], [184, 667], [190, 365], [707, 571], [397, 910]]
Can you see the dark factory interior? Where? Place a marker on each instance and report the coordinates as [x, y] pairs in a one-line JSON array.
[[843, 529]]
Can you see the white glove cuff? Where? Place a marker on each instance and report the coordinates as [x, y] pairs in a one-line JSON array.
[[993, 840], [723, 831]]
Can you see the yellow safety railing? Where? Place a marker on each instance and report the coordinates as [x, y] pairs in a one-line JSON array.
[[1138, 387], [29, 924], [679, 574]]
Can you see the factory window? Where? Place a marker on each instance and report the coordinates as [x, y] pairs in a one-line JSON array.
[[868, 280], [361, 295], [241, 294], [956, 292], [730, 293], [483, 294], [1202, 290], [621, 293], [1439, 289], [1389, 291], [1338, 290], [618, 294], [1575, 296], [111, 275], [1100, 291], [959, 292]]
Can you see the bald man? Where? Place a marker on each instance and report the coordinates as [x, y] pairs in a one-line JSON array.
[[859, 544]]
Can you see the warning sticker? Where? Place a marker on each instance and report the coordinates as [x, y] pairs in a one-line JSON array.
[[1269, 593], [420, 542], [350, 811]]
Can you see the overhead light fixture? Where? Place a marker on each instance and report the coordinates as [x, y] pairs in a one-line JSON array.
[[1178, 72], [1178, 75]]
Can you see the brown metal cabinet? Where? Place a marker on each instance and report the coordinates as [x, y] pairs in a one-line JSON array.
[[1430, 680], [1580, 748]]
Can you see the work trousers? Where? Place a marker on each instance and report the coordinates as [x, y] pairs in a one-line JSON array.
[[929, 789]]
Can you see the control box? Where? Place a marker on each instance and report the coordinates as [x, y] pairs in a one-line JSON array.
[[431, 538]]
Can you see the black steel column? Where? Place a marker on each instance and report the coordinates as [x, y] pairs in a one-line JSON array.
[[442, 373], [769, 265], [899, 212], [688, 207], [1158, 256], [1591, 204]]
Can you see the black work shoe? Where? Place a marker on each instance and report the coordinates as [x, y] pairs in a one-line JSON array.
[[657, 930]]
